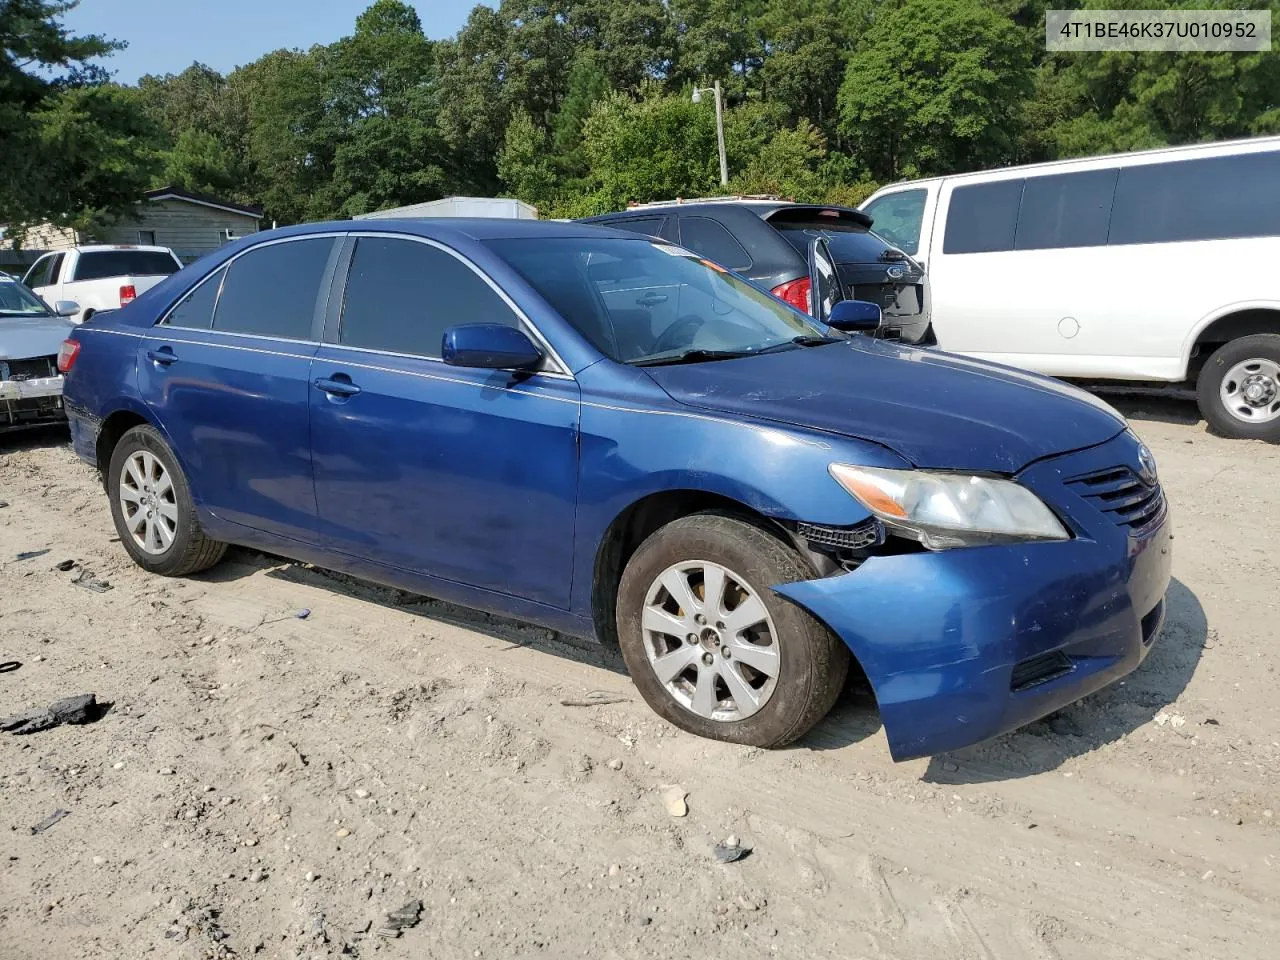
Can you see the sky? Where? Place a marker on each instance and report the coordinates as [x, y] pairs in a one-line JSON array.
[[165, 36]]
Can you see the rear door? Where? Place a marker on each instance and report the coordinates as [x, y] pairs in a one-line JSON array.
[[227, 375], [464, 475]]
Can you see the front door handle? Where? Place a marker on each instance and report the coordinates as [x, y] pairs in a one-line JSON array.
[[163, 356], [651, 299], [339, 385]]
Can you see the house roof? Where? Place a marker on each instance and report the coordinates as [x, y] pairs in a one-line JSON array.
[[204, 200]]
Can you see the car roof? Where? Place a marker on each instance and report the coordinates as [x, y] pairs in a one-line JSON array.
[[116, 247], [764, 209], [440, 228]]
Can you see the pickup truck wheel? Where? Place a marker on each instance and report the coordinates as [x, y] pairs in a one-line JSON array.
[[1238, 391], [152, 507], [711, 648]]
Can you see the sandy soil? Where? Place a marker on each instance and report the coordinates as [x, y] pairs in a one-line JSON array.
[[268, 786]]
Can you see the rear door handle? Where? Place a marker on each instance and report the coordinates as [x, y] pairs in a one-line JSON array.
[[338, 386], [163, 356]]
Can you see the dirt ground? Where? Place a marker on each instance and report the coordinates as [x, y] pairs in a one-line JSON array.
[[270, 786]]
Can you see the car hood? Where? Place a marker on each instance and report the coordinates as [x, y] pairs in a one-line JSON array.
[[22, 337], [937, 410]]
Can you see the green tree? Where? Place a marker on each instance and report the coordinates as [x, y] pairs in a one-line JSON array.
[[935, 87], [75, 149], [525, 165]]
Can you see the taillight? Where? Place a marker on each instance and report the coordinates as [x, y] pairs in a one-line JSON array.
[[128, 294], [67, 354], [795, 292]]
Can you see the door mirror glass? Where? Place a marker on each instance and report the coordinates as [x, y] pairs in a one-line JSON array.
[[855, 316], [66, 308], [489, 346], [824, 279]]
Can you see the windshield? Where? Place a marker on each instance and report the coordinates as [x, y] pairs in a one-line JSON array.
[[641, 300], [17, 301]]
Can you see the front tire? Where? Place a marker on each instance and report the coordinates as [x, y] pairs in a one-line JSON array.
[[1238, 391], [711, 648], [152, 507]]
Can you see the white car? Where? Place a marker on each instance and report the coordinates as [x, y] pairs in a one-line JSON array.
[[1150, 267], [100, 277]]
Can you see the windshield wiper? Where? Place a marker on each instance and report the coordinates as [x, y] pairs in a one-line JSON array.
[[692, 356]]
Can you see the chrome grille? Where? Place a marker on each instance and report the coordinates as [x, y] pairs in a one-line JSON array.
[[1123, 495]]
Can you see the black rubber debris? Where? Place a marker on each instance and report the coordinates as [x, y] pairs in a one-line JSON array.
[[65, 565], [30, 554], [728, 854], [79, 709], [401, 920], [49, 821]]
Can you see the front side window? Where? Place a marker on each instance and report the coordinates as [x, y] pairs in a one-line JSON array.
[[983, 217], [898, 218], [271, 291], [101, 264], [403, 295], [17, 301], [44, 271], [639, 301], [195, 310]]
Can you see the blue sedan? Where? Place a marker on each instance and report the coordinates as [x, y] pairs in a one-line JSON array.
[[606, 435]]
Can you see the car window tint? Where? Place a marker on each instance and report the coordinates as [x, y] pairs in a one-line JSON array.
[[982, 218], [898, 216], [848, 244], [1066, 210], [271, 291], [1208, 199], [402, 295], [195, 310], [710, 239], [44, 272], [649, 226], [121, 263]]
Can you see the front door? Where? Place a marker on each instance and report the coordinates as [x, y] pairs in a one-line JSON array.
[[464, 475], [227, 375]]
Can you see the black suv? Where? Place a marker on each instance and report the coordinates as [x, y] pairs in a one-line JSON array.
[[771, 243]]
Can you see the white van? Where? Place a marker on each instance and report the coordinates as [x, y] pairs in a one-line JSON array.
[[1160, 266]]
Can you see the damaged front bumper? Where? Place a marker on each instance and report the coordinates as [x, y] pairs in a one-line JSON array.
[[963, 645], [25, 403]]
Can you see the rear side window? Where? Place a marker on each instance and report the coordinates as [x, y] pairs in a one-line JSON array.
[[982, 218], [195, 310], [898, 217], [271, 291], [1066, 210], [1208, 199], [402, 295], [649, 226], [121, 263], [709, 238]]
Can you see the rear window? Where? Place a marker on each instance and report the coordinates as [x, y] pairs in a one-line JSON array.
[[849, 243], [121, 263]]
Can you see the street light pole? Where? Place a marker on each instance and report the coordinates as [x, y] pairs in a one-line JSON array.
[[697, 98], [724, 163]]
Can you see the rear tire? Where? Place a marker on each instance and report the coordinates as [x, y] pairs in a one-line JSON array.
[[152, 507], [749, 667], [1238, 390]]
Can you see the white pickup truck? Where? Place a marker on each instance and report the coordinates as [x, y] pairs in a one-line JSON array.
[[100, 277]]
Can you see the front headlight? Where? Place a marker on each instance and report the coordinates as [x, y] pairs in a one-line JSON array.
[[944, 510]]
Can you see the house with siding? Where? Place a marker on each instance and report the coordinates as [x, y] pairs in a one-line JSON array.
[[190, 224]]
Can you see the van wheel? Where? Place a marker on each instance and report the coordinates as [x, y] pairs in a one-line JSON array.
[[711, 648], [1239, 388], [152, 507]]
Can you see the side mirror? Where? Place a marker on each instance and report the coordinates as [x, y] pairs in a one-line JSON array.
[[66, 308], [855, 316], [489, 346]]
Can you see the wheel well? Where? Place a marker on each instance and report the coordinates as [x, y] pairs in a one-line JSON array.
[[113, 428], [632, 527], [1227, 328]]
